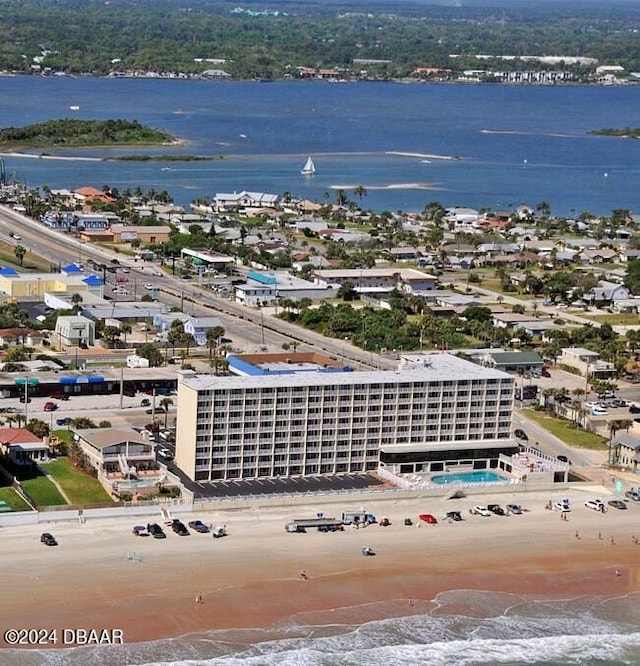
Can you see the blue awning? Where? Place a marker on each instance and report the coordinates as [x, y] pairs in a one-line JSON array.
[[91, 379]]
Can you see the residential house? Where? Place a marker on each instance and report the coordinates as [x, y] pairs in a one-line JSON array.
[[522, 362], [598, 256], [587, 362], [21, 336], [123, 233], [244, 201], [626, 451], [604, 293], [22, 447], [198, 327], [88, 194], [124, 460]]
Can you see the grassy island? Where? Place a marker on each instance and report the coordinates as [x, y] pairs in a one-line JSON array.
[[67, 132], [163, 158], [625, 132]]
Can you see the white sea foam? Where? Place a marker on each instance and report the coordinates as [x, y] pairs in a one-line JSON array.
[[462, 627]]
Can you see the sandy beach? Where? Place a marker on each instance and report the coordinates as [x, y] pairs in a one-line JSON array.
[[101, 576]]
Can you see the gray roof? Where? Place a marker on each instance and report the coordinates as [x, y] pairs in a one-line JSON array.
[[415, 367], [519, 357]]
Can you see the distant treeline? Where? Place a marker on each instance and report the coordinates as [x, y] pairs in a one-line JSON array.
[[378, 38], [75, 133], [626, 132]]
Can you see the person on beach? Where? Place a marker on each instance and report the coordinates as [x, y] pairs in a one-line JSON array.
[[577, 534], [199, 599], [303, 575]]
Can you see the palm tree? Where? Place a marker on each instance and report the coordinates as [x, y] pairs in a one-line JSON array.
[[165, 403], [20, 251], [614, 426], [125, 329], [360, 192], [213, 336], [75, 300]]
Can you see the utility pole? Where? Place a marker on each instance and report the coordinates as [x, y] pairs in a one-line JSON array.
[[121, 386]]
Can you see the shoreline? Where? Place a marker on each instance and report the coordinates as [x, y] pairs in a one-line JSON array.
[[250, 580]]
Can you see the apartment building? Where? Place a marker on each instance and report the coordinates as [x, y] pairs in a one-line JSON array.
[[434, 410]]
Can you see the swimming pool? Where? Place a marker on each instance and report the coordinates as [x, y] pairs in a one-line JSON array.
[[480, 476]]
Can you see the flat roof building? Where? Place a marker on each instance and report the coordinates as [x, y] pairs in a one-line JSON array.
[[436, 409]]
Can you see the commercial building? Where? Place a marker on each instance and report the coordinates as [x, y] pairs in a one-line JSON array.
[[434, 411]]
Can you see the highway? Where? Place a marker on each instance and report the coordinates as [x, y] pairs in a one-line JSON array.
[[250, 329]]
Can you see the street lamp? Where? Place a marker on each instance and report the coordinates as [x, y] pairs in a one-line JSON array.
[[26, 382]]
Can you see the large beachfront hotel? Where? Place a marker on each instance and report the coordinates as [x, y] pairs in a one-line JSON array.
[[435, 412]]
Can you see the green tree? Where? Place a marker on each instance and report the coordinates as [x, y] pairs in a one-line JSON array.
[[165, 403], [20, 252], [213, 336], [151, 352]]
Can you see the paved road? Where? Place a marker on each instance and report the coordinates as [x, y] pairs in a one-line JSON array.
[[247, 323]]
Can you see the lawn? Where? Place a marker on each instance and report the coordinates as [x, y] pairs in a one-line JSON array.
[[565, 431], [12, 499], [79, 487], [620, 319], [42, 491]]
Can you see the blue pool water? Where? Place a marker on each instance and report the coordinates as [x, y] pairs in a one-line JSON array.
[[467, 477]]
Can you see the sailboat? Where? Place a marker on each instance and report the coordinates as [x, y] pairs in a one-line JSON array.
[[309, 168]]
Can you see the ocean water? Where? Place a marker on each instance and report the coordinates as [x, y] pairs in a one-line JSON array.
[[513, 144], [464, 627]]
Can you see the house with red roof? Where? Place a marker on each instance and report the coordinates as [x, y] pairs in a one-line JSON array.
[[22, 447]]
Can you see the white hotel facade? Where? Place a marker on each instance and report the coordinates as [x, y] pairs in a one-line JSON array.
[[436, 411]]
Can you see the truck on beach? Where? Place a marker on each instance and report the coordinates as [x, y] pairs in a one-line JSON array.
[[360, 518], [321, 523]]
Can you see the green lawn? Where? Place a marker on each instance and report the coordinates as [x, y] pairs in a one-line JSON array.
[[565, 431], [620, 319], [42, 491], [12, 499], [79, 487]]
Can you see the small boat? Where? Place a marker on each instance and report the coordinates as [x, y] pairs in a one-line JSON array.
[[309, 168], [74, 107]]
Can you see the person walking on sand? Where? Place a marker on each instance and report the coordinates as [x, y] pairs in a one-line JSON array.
[[577, 534], [199, 600], [303, 575]]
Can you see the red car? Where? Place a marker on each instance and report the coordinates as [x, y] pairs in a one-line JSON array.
[[50, 406]]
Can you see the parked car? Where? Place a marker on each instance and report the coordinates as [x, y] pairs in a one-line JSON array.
[[596, 505], [50, 406], [179, 527], [564, 459], [598, 411], [218, 532], [521, 434], [617, 504], [145, 402], [66, 420], [165, 453], [156, 531], [59, 395], [48, 539], [456, 516], [140, 530], [515, 509], [633, 494], [564, 506], [479, 510], [497, 509], [198, 526]]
